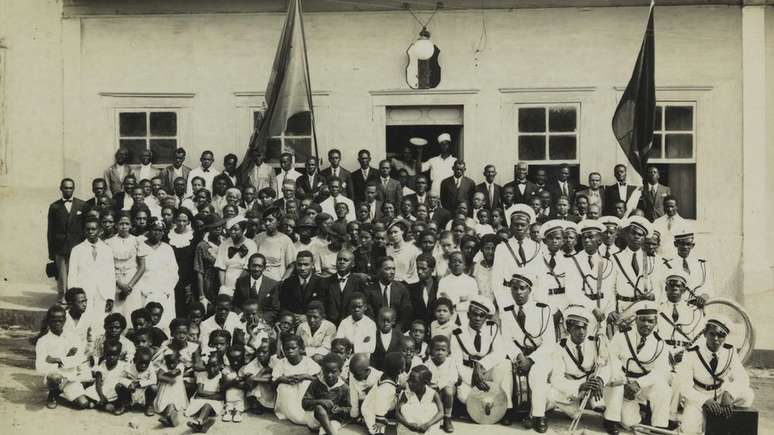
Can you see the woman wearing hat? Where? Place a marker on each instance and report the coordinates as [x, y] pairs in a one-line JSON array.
[[233, 254], [277, 247]]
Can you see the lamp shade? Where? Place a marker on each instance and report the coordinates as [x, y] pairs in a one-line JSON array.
[[423, 48]]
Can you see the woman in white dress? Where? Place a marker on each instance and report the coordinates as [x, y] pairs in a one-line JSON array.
[[129, 256], [160, 277], [233, 254]]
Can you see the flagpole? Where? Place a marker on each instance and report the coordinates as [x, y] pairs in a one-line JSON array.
[[309, 85]]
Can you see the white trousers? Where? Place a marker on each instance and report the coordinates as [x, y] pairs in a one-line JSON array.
[[617, 408], [693, 415]]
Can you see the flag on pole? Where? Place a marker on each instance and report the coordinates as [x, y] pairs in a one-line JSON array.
[[634, 118], [289, 91]]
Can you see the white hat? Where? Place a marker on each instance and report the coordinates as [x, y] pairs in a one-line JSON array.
[[685, 231], [523, 276], [551, 226], [676, 273], [444, 137], [639, 222], [591, 225], [525, 210], [570, 226], [235, 220], [481, 303], [609, 221], [646, 308], [720, 321], [577, 313]]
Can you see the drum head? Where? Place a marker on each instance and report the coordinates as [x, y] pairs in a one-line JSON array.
[[742, 335], [487, 407], [418, 141]]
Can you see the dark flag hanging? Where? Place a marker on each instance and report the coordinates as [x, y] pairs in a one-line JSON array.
[[289, 91], [634, 118]]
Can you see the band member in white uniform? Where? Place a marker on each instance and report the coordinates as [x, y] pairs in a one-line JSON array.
[[590, 279], [518, 254]]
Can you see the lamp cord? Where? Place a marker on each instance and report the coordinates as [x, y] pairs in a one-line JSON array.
[[426, 23]]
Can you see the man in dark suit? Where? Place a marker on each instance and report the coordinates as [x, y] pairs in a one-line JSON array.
[[421, 194], [491, 190], [386, 292], [620, 191], [653, 194], [65, 230], [301, 287], [563, 186], [125, 194], [388, 189], [424, 292], [457, 188], [341, 286], [335, 170], [523, 189], [541, 180], [261, 288], [363, 176], [309, 183], [98, 188], [436, 212], [176, 169]]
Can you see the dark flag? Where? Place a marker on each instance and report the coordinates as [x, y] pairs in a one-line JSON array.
[[288, 92], [634, 118]]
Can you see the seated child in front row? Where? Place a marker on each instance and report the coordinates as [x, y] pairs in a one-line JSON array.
[[233, 384], [327, 398], [137, 385], [259, 391], [107, 376], [410, 359], [207, 403], [419, 407], [418, 332], [316, 332], [114, 325], [387, 337], [358, 328], [362, 377], [445, 376], [283, 327], [381, 399], [185, 349], [343, 348], [171, 398], [292, 375], [444, 318], [61, 361], [142, 339]]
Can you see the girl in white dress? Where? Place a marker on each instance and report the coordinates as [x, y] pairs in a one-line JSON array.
[[158, 282], [207, 403], [292, 376], [171, 398], [419, 408], [129, 257]]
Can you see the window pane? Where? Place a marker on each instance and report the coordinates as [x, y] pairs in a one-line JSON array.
[[302, 148], [532, 120], [655, 152], [679, 146], [163, 150], [562, 119], [532, 147], [562, 147], [300, 124], [679, 118], [132, 124], [659, 110], [135, 147], [163, 124]]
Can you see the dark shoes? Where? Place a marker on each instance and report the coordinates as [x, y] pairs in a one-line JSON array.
[[539, 424], [611, 427], [51, 402], [673, 424], [447, 425]]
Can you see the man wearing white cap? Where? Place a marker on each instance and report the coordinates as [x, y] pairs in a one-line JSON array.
[[553, 266], [639, 358], [519, 253], [577, 368], [590, 280], [712, 377], [479, 351], [609, 236], [440, 166], [528, 328], [679, 324], [696, 269]]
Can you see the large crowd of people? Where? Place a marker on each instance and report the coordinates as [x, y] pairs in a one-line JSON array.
[[382, 295]]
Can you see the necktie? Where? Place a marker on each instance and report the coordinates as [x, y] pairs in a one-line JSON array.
[[591, 263], [641, 345], [564, 188], [552, 262], [94, 252], [675, 314], [477, 342], [386, 296], [635, 264], [714, 363], [342, 281], [579, 352], [522, 255], [685, 266], [653, 192], [253, 290], [521, 317], [491, 197], [336, 172], [607, 252], [457, 182]]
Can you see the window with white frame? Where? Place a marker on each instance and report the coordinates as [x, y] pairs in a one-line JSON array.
[[156, 130], [296, 139], [548, 133]]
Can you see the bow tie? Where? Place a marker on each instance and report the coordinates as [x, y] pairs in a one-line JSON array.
[[67, 200], [207, 170], [521, 182], [622, 184], [242, 250]]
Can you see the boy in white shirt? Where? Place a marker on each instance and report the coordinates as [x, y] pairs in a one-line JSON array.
[[458, 286], [358, 328]]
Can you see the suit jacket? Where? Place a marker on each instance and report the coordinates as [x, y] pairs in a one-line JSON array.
[[400, 301], [612, 196], [529, 191], [497, 194], [293, 298], [451, 195], [303, 184], [392, 193], [65, 230], [601, 191], [556, 190], [359, 183], [337, 299], [135, 170], [168, 177], [654, 206], [366, 259], [423, 311], [441, 216], [377, 358], [268, 298], [346, 179], [377, 210], [114, 176], [570, 217], [414, 198]]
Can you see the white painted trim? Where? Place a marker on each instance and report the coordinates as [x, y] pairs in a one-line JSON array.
[[549, 89], [418, 92], [148, 94]]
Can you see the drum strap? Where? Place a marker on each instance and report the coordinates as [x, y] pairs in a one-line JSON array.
[[629, 280], [556, 276], [577, 363], [716, 377], [513, 254], [675, 326], [634, 354]]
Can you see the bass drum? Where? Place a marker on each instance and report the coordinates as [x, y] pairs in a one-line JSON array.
[[742, 335]]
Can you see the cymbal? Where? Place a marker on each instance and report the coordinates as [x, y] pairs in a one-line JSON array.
[[418, 141], [487, 407]]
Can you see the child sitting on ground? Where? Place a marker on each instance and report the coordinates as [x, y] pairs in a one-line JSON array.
[[140, 320], [114, 325], [327, 398], [292, 375], [419, 407], [362, 378], [445, 376], [381, 399], [358, 328], [137, 385], [61, 361], [106, 377], [142, 339], [155, 314], [186, 350], [259, 392], [418, 332], [410, 359], [283, 328], [207, 403], [233, 384], [387, 339], [255, 328], [343, 348], [316, 332], [171, 398], [444, 322]]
